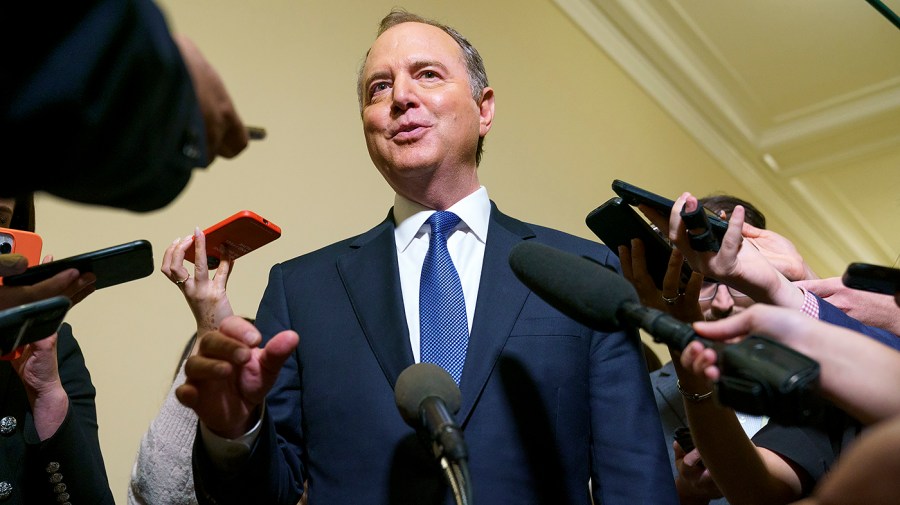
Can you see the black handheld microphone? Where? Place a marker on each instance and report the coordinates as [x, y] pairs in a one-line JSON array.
[[759, 376], [593, 295], [427, 398]]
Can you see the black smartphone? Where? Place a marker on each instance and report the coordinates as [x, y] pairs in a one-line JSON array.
[[633, 195], [684, 438], [615, 223], [30, 322], [875, 278], [112, 265]]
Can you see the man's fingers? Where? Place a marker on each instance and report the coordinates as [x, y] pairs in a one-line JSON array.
[[201, 368], [215, 345], [277, 351], [242, 330], [188, 395]]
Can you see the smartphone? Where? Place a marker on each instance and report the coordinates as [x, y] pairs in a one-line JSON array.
[[684, 438], [875, 278], [26, 243], [239, 234], [30, 322], [112, 265], [615, 223], [633, 195]]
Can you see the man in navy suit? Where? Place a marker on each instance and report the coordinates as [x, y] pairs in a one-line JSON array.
[[552, 412]]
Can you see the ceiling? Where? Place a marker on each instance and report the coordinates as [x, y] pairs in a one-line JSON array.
[[799, 100]]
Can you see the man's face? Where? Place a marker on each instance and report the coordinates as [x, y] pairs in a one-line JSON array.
[[419, 117], [7, 206], [723, 303]]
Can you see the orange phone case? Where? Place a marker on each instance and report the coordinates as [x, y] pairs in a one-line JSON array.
[[26, 243], [239, 234]]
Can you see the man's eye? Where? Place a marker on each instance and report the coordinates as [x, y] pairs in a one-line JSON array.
[[379, 87], [429, 74]]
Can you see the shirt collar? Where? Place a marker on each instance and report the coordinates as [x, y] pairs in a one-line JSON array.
[[409, 217]]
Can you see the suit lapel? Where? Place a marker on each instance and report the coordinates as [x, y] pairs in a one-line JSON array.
[[500, 300], [372, 280]]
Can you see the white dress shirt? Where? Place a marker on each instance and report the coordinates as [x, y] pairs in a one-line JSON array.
[[465, 244]]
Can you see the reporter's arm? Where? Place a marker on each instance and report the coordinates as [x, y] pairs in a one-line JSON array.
[[743, 472], [857, 373]]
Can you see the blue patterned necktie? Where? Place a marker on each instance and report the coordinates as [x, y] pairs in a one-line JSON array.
[[442, 307]]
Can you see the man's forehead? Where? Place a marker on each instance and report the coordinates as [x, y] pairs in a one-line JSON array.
[[412, 42]]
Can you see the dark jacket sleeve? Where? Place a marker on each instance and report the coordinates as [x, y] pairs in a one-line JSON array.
[[98, 106], [69, 466], [831, 314]]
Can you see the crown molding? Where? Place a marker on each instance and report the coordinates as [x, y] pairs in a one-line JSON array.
[[796, 204]]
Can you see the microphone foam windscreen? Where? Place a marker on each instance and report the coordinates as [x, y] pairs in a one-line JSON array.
[[576, 286], [419, 382]]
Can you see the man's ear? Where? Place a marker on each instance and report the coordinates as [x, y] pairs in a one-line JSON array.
[[486, 107]]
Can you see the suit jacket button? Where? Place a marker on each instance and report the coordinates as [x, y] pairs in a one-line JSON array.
[[59, 488], [8, 425], [55, 478], [62, 497], [6, 490], [52, 467]]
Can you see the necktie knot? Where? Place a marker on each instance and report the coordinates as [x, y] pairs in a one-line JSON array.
[[442, 222]]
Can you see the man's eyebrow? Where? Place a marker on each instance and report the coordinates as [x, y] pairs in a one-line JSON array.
[[420, 64], [380, 74]]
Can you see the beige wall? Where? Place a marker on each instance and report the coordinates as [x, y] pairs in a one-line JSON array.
[[568, 122]]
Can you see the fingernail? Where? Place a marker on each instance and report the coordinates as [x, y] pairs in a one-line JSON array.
[[197, 231], [242, 355]]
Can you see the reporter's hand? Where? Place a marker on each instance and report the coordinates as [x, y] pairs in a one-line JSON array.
[[37, 369], [873, 309], [694, 483], [205, 296], [779, 251], [229, 377], [226, 134], [685, 306], [737, 263], [66, 283]]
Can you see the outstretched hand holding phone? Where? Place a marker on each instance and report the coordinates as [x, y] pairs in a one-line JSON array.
[[205, 296]]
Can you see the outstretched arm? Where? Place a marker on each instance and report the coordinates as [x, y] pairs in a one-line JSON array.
[[857, 373]]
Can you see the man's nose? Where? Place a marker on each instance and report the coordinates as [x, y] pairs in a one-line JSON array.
[[722, 304], [404, 94]]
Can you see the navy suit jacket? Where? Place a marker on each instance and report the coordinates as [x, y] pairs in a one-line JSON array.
[[547, 404]]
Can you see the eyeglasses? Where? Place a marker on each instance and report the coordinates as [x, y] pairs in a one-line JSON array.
[[709, 289]]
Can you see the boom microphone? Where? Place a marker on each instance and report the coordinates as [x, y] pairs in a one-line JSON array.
[[758, 375], [427, 397], [592, 294]]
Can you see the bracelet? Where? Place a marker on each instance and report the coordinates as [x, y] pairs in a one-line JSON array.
[[693, 397]]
